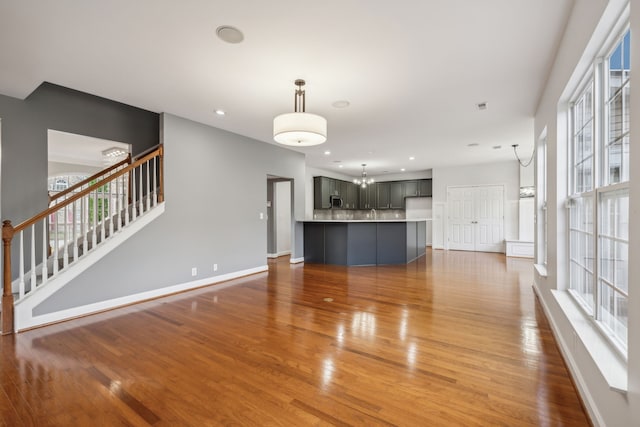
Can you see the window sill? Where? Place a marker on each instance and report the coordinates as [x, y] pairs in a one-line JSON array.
[[612, 367], [541, 269]]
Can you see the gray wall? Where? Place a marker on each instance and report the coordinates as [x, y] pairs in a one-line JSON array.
[[215, 188], [24, 141]]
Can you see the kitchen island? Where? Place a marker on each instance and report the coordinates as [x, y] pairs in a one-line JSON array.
[[364, 242]]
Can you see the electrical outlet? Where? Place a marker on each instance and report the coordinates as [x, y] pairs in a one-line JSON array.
[[194, 271], [215, 267]]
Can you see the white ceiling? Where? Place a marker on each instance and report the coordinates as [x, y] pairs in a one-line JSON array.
[[75, 149], [412, 70]]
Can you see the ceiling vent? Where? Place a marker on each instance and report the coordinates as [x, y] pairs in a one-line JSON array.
[[482, 106]]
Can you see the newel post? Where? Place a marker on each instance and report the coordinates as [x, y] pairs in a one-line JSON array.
[[161, 174], [7, 294]]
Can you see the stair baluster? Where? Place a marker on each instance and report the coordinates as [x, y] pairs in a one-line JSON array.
[[141, 195], [33, 257], [74, 233], [45, 246], [21, 282], [133, 195], [65, 250]]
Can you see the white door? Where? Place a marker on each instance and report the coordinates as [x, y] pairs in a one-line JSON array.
[[461, 217], [476, 218]]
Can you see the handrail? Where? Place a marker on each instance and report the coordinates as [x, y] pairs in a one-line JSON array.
[[86, 181], [80, 194], [9, 231], [89, 179]]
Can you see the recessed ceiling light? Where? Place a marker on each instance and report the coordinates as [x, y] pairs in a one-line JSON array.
[[412, 158], [341, 104], [402, 170], [327, 153], [473, 144], [340, 166], [481, 105], [220, 112], [229, 34]]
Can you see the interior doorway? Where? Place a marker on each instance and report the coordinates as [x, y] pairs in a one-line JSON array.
[[476, 218], [279, 216]]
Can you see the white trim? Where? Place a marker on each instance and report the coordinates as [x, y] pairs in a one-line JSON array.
[[541, 269], [84, 310], [587, 398], [296, 260], [279, 254]]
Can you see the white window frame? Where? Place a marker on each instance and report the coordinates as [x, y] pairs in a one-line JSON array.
[[598, 77]]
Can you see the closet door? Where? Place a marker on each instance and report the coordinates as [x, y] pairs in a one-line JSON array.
[[461, 212], [489, 217], [476, 218]]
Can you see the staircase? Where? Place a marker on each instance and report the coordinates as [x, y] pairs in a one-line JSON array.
[[81, 225]]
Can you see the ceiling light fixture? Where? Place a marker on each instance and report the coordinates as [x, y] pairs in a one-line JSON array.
[[523, 164], [363, 181], [113, 152], [220, 112], [327, 153], [412, 158], [300, 129]]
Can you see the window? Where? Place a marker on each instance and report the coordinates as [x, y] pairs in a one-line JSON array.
[[541, 214], [599, 193]]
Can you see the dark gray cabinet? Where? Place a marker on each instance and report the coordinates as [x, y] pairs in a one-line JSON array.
[[351, 199], [383, 195], [425, 188], [367, 198], [380, 195], [323, 189], [411, 188], [396, 195]]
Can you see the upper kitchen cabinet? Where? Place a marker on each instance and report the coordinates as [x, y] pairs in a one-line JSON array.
[[396, 195], [425, 188], [367, 196], [350, 200], [382, 194], [417, 188], [323, 189], [411, 188]]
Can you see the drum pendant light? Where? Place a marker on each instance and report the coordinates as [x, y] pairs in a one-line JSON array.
[[299, 129]]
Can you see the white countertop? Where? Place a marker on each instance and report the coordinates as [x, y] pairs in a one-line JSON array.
[[369, 220]]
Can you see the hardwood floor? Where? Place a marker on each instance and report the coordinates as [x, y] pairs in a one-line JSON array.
[[454, 338]]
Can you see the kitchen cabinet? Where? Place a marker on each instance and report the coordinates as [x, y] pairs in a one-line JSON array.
[[367, 196], [351, 200], [396, 195], [323, 189], [411, 188], [382, 195], [425, 188]]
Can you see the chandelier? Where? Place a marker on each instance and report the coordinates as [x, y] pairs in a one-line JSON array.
[[300, 129], [364, 181]]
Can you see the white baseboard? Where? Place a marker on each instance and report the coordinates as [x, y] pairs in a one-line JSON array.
[[296, 260], [59, 316], [583, 390]]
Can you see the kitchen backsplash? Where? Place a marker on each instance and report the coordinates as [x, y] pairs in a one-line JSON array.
[[369, 214]]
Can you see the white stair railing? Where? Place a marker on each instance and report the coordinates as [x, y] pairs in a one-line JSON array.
[[78, 220]]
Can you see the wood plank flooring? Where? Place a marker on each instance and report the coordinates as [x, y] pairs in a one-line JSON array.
[[453, 339]]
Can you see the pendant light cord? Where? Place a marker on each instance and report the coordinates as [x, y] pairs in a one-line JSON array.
[[515, 146]]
